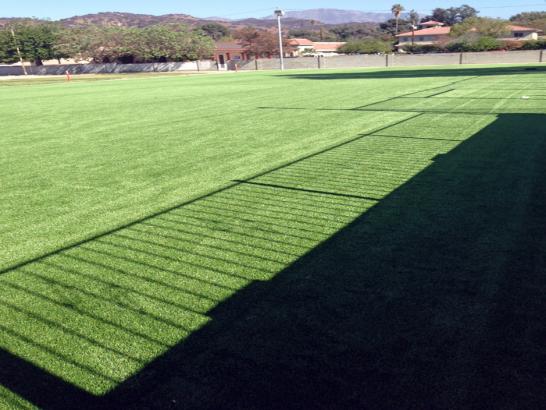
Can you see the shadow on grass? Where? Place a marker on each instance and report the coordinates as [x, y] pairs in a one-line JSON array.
[[317, 285], [421, 72]]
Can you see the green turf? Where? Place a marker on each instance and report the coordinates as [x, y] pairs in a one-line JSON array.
[[270, 224]]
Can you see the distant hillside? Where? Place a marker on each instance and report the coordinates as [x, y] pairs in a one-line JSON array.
[[336, 16], [145, 20], [128, 19], [294, 20], [14, 20], [288, 22]]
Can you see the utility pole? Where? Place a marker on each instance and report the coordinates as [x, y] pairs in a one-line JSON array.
[[18, 51], [279, 13]]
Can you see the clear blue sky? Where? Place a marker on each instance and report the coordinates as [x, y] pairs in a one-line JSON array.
[[56, 9]]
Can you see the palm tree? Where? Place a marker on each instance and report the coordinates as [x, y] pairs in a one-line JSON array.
[[313, 24], [397, 10]]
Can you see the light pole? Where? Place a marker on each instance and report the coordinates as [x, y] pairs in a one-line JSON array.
[[18, 51], [279, 13]]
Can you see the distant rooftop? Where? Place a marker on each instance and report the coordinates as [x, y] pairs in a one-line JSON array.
[[300, 42], [431, 23], [439, 31]]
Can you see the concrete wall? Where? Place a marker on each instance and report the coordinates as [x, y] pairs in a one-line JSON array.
[[494, 57], [344, 61], [289, 63], [363, 60], [403, 60], [399, 60], [317, 62], [110, 68]]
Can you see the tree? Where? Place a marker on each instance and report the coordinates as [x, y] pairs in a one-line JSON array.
[[413, 17], [73, 42], [392, 27], [465, 12], [311, 35], [107, 44], [8, 53], [481, 26], [37, 41], [260, 42], [215, 31], [160, 43], [353, 31], [535, 19], [248, 36], [529, 16], [397, 10], [453, 15]]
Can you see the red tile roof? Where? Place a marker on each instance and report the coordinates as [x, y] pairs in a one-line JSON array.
[[432, 31], [231, 45], [438, 31], [521, 28], [327, 46], [300, 42]]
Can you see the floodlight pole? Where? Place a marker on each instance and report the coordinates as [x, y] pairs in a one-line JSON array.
[[18, 51], [279, 13]]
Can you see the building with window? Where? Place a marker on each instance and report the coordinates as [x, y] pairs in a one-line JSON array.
[[434, 32], [226, 52], [299, 47], [233, 52]]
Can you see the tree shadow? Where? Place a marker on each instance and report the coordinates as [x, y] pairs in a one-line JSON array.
[[316, 285]]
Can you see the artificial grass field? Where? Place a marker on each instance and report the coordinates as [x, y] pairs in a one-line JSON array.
[[325, 239]]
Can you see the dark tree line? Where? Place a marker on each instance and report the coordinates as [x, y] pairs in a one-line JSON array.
[[45, 41], [453, 15]]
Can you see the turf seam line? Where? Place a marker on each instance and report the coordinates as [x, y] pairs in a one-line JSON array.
[[364, 108], [332, 147], [429, 111], [418, 138], [440, 93], [313, 191], [194, 200], [413, 93]]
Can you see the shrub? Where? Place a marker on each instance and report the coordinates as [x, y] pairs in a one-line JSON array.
[[423, 49], [512, 45], [484, 43], [534, 45]]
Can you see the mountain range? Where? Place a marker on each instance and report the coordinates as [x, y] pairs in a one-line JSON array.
[[293, 19], [337, 16]]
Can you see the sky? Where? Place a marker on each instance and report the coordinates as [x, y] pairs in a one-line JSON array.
[[236, 9]]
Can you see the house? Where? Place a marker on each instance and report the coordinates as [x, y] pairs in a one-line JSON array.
[[302, 46], [523, 33], [327, 48], [229, 51], [424, 36], [436, 33], [234, 52]]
